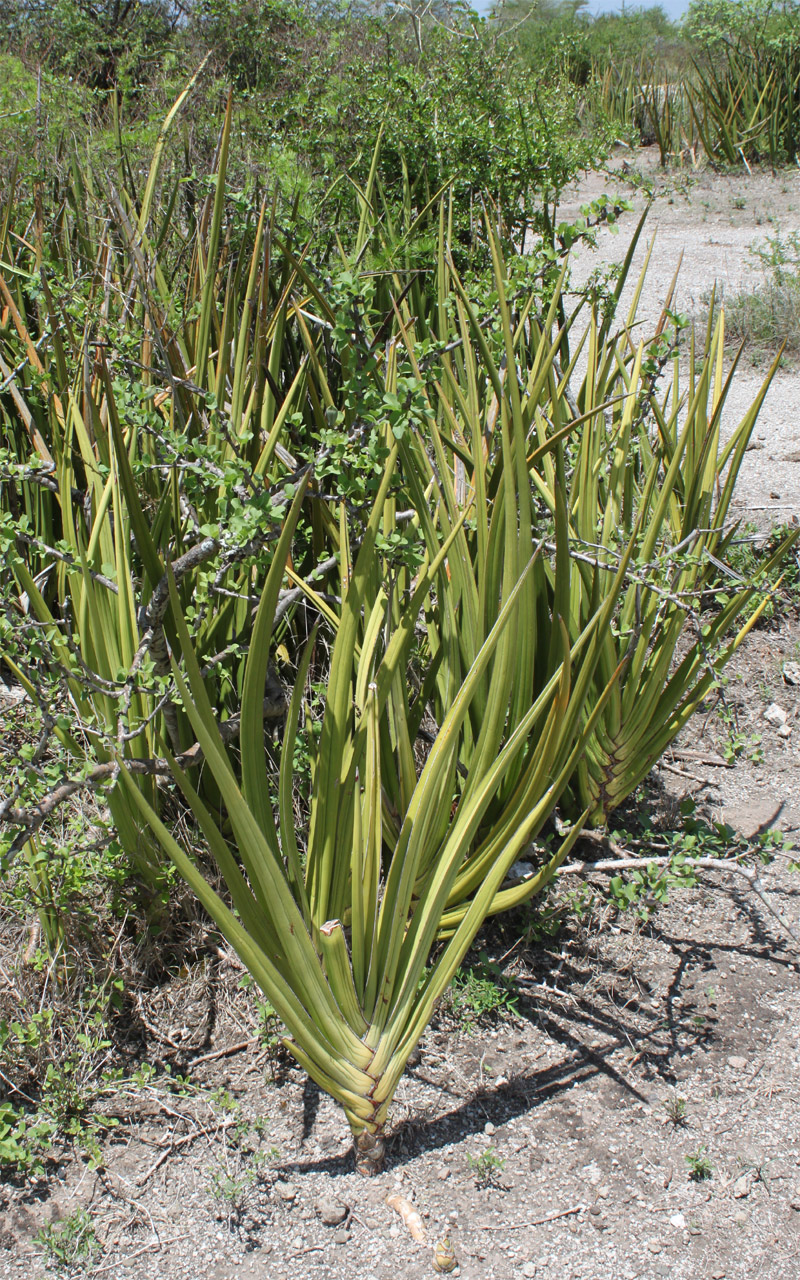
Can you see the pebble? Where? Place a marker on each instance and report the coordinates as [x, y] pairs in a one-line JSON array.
[[741, 1187], [443, 1173], [287, 1191], [341, 1237], [489, 1128], [741, 1218], [775, 714], [330, 1210], [736, 1063], [791, 672], [678, 1221], [529, 1268], [654, 1246]]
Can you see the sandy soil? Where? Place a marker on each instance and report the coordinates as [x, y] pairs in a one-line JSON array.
[[708, 222]]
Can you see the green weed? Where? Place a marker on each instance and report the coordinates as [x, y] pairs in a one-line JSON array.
[[700, 1166], [70, 1243], [481, 993], [486, 1168]]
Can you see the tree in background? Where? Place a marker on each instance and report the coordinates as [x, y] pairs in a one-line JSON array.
[[563, 34], [102, 45]]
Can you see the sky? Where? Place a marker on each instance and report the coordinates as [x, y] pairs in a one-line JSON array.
[[673, 8]]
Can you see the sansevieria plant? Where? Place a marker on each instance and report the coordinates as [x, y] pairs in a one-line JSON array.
[[338, 922], [659, 460]]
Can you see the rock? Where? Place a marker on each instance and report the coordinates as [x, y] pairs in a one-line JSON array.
[[603, 1193], [678, 1221], [592, 1174], [443, 1173], [775, 714], [341, 1237], [330, 1210], [287, 1191], [785, 731], [791, 672], [529, 1268], [736, 1063], [741, 1187], [654, 1246], [489, 1128], [741, 1218]]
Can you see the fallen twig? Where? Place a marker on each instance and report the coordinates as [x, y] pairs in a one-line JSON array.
[[179, 1142], [221, 1053], [154, 1244], [536, 1222]]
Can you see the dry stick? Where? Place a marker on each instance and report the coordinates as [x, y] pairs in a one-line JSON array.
[[154, 1244], [683, 753], [684, 773], [221, 1053], [179, 1142], [708, 864], [537, 1222]]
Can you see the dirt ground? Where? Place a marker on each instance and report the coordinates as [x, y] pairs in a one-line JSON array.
[[706, 223], [557, 1139]]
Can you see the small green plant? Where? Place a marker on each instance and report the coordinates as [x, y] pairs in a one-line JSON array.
[[242, 1159], [675, 1107], [486, 1168], [643, 889], [737, 743], [481, 993], [700, 1167], [765, 315], [71, 1242]]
